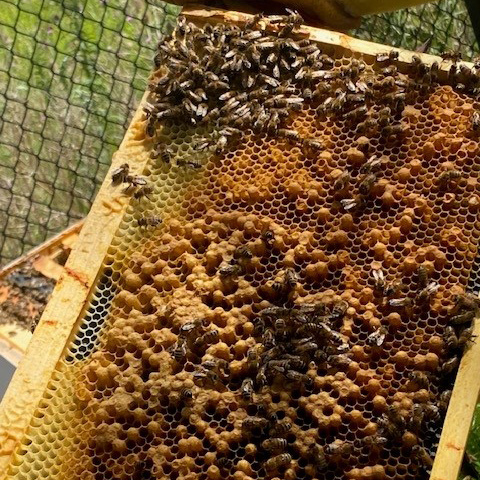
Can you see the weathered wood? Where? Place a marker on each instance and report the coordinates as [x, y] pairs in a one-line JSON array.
[[65, 237], [322, 36], [14, 339], [13, 342], [459, 415]]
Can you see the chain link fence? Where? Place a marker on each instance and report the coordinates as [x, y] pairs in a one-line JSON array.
[[445, 25], [71, 75]]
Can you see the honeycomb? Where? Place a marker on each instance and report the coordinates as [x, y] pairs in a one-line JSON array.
[[286, 297]]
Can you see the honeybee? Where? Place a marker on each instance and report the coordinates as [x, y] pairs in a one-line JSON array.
[[339, 361], [247, 388], [375, 441], [150, 127], [356, 114], [453, 57], [338, 339], [432, 412], [296, 362], [181, 162], [450, 365], [134, 181], [164, 153], [152, 221], [466, 301], [268, 338], [306, 347], [284, 287], [393, 288], [339, 310], [422, 455], [206, 339], [274, 444], [294, 17], [377, 338], [448, 178], [391, 56], [366, 125], [466, 337], [400, 302], [318, 456], [366, 185], [312, 144], [242, 252], [463, 318], [190, 328], [280, 428], [394, 99], [419, 378], [396, 417], [384, 116], [320, 329], [120, 174], [186, 394], [416, 420], [426, 293], [254, 423], [230, 270], [209, 365], [399, 129], [444, 400], [356, 97], [253, 359], [450, 338], [355, 204], [144, 191], [253, 21], [379, 281], [389, 71], [372, 165], [339, 448], [476, 121], [342, 181], [261, 378], [278, 461], [295, 376], [281, 329], [388, 428], [179, 350], [423, 276], [289, 134]]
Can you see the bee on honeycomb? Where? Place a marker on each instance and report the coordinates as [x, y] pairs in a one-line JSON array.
[[247, 336]]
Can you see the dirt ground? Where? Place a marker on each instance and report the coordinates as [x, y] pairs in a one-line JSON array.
[[23, 296]]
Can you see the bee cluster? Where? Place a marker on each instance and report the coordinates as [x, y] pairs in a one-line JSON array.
[[290, 279]]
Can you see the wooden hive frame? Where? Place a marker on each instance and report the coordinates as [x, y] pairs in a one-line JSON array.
[[72, 292], [14, 339]]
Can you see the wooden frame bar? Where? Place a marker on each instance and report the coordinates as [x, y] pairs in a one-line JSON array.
[[69, 299], [71, 294], [14, 339]]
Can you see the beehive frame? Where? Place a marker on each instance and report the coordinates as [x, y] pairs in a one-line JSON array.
[[73, 291]]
